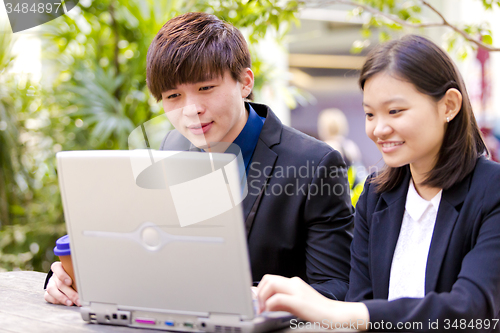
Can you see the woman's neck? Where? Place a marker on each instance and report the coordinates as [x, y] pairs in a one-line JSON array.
[[426, 192], [419, 174]]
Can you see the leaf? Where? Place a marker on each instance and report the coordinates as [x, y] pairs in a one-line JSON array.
[[366, 33], [486, 39], [17, 210]]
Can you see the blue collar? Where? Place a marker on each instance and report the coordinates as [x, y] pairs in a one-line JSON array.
[[249, 136]]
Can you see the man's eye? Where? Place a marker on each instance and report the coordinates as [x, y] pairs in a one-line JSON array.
[[206, 88], [172, 96]]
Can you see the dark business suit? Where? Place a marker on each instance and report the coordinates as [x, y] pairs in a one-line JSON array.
[[462, 278], [289, 234]]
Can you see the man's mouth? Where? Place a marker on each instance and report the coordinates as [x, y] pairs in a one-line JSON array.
[[201, 128]]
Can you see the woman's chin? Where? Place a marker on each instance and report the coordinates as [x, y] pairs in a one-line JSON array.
[[394, 164]]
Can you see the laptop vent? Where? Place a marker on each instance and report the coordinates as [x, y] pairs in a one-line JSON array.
[[227, 329]]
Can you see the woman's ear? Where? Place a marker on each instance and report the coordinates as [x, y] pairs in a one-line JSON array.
[[247, 81], [452, 103]]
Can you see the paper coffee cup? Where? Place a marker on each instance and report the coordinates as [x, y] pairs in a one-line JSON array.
[[63, 251]]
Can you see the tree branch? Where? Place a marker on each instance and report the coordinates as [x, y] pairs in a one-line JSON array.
[[401, 22], [386, 15], [465, 35]]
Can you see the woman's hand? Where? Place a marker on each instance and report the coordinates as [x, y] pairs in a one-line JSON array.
[[277, 293]]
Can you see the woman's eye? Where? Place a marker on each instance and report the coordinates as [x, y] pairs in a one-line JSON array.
[[394, 111], [368, 115]]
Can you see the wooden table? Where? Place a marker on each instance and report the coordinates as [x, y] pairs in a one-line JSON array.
[[23, 309]]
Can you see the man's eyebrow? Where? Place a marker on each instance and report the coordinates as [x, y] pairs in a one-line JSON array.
[[169, 89], [215, 78]]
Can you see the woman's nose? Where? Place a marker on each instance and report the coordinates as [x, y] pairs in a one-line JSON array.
[[382, 129]]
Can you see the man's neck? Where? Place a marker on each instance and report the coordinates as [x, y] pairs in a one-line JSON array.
[[220, 147]]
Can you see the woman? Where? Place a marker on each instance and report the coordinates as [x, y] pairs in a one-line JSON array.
[[426, 248]]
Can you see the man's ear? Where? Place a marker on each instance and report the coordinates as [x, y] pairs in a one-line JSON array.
[[452, 103], [247, 82]]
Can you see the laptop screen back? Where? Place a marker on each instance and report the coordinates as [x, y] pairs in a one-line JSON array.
[[157, 230]]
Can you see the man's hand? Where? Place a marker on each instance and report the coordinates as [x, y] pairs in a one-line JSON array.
[[59, 290]]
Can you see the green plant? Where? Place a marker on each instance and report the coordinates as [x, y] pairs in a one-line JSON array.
[[92, 95]]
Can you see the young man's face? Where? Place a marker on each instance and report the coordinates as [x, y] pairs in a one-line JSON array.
[[209, 112]]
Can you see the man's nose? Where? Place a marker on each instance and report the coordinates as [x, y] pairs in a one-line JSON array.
[[191, 110]]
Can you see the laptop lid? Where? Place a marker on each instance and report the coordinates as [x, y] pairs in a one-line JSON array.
[[157, 230]]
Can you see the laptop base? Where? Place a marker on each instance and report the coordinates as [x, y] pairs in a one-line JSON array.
[[109, 314]]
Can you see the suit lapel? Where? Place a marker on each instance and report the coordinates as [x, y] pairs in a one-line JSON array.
[[262, 164], [260, 171], [386, 225], [445, 223]]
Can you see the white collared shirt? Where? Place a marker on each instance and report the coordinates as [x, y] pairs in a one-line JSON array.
[[409, 262]]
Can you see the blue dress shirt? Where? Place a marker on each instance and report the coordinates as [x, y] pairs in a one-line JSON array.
[[249, 136]]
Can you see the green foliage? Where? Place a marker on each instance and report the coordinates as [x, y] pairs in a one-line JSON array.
[[488, 4], [410, 11], [101, 54], [92, 95], [407, 10], [30, 205]]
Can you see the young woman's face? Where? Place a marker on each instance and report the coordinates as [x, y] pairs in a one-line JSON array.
[[407, 126]]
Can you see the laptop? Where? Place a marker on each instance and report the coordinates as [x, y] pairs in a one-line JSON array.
[[158, 240]]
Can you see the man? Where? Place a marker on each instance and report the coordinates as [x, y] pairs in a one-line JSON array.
[[297, 212]]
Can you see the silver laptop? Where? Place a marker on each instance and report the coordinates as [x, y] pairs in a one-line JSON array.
[[158, 240]]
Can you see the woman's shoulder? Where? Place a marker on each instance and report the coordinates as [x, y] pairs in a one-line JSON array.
[[486, 173], [370, 195], [485, 183], [487, 167]]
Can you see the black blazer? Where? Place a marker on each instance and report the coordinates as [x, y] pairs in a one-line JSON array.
[[462, 278], [292, 230]]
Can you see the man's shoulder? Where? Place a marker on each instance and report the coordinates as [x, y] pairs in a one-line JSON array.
[[292, 145], [289, 139], [299, 143]]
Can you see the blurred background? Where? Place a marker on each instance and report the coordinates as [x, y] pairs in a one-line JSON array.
[[78, 82]]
